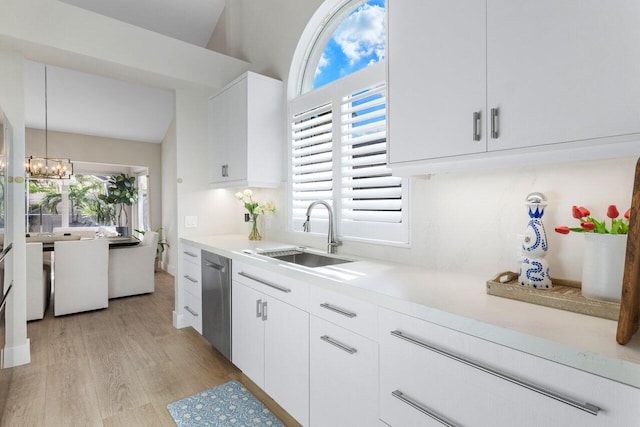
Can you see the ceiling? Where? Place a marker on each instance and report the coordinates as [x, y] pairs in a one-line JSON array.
[[191, 21], [93, 105], [88, 104]]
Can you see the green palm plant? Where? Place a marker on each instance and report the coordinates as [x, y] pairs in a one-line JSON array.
[[121, 191]]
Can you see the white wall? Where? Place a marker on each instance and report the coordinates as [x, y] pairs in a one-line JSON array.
[[465, 221], [169, 200]]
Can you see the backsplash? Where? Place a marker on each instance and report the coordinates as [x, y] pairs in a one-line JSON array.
[[469, 222]]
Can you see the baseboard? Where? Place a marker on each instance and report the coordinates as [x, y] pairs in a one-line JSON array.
[[178, 321], [16, 356], [169, 268]]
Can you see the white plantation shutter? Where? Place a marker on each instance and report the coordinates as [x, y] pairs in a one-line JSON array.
[[311, 161], [350, 174]]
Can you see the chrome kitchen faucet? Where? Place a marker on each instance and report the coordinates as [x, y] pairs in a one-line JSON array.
[[332, 243]]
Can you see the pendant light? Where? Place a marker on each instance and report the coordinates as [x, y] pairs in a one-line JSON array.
[[37, 167]]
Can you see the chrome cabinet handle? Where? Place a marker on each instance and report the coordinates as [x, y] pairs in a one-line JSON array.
[[476, 125], [191, 279], [403, 397], [343, 347], [191, 254], [264, 282], [214, 265], [186, 307], [338, 310], [495, 123], [587, 407], [264, 310], [259, 308]]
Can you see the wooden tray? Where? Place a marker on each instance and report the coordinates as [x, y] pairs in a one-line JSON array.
[[630, 303], [565, 295]]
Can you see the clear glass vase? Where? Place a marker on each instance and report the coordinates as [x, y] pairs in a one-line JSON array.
[[255, 232]]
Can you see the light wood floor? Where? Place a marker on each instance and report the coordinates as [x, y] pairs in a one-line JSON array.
[[119, 366]]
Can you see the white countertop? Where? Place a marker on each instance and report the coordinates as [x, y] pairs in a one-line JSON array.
[[459, 302]]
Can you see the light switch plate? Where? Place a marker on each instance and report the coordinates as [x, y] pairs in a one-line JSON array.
[[190, 221]]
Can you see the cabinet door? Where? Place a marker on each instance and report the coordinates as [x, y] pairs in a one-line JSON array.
[[218, 121], [437, 78], [343, 377], [237, 137], [563, 71], [247, 332], [286, 358]]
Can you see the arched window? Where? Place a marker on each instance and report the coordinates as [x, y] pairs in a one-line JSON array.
[[338, 125], [353, 38]]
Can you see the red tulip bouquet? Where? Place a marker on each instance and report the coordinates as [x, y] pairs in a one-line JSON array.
[[590, 224]]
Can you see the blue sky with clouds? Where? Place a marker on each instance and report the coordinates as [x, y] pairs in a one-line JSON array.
[[357, 42]]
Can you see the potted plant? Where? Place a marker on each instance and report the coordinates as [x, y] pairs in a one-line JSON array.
[[160, 248], [121, 191]]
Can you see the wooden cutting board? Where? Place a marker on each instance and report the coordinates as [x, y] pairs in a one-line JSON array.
[[629, 318]]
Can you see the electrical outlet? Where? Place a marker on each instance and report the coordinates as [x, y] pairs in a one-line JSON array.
[[247, 218]]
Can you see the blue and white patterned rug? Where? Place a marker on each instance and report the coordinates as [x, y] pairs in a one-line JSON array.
[[229, 404]]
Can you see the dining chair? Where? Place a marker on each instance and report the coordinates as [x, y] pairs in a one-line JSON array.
[[80, 271], [38, 281], [131, 268]]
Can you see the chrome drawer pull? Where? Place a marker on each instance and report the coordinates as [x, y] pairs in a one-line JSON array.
[[259, 308], [264, 310], [186, 307], [495, 124], [214, 265], [399, 395], [338, 310], [476, 125], [343, 347], [189, 278], [264, 282], [587, 407], [191, 254]]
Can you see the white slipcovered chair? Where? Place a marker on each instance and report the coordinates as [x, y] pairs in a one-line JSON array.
[[38, 281], [81, 270], [131, 268]]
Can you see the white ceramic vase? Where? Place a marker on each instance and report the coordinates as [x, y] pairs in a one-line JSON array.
[[603, 266]]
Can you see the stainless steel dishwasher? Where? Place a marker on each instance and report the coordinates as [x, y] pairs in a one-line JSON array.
[[216, 301]]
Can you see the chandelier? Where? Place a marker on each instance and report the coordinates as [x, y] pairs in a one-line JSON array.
[[37, 167]]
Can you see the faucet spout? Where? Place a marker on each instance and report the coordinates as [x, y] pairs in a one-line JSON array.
[[332, 242]]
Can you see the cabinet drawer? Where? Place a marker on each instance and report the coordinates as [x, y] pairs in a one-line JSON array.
[[190, 253], [353, 314], [273, 284], [192, 311], [343, 376], [416, 380], [191, 279]]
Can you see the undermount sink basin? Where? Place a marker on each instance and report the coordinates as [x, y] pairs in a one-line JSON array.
[[307, 259]]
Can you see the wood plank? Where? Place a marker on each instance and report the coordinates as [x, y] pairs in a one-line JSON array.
[[629, 319], [26, 396], [143, 416], [71, 395], [118, 388]]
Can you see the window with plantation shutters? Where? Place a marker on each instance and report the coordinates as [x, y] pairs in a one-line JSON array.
[[311, 159], [339, 154]]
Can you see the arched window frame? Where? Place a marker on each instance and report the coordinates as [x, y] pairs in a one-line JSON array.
[[332, 99]]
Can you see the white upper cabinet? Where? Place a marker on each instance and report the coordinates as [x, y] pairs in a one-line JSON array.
[[551, 81], [246, 133], [437, 78], [562, 71]]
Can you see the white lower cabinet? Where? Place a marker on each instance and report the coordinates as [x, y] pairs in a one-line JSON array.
[[270, 344], [429, 375], [344, 377], [191, 287]]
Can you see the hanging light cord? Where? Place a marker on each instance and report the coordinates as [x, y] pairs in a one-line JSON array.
[[46, 117]]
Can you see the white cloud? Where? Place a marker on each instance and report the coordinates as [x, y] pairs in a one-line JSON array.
[[323, 62], [362, 34]]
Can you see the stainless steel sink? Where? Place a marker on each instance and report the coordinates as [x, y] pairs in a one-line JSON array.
[[307, 259]]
